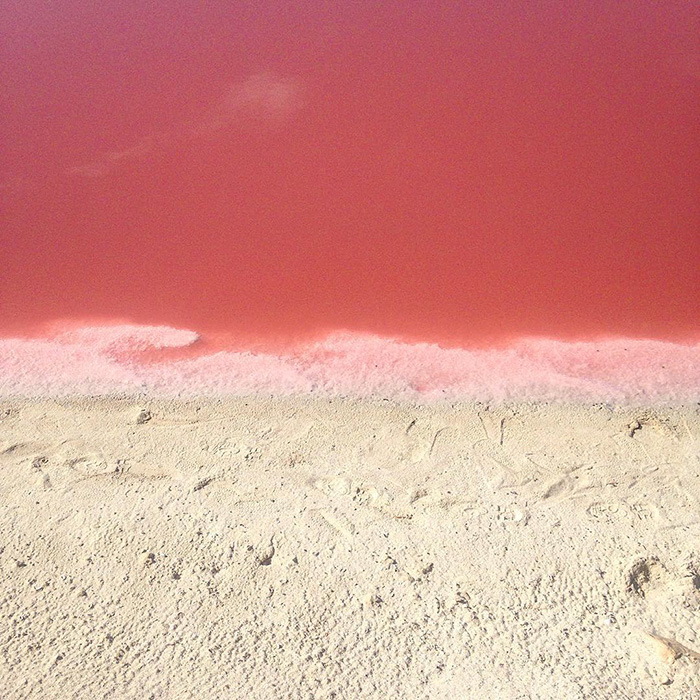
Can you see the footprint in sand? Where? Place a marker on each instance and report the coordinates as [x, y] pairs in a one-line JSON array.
[[19, 449], [89, 464], [495, 466], [644, 575], [40, 465], [360, 493], [613, 511], [648, 576], [607, 512]]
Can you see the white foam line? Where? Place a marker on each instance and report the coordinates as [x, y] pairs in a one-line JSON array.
[[105, 360]]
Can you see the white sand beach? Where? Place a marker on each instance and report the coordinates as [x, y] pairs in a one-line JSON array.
[[336, 548]]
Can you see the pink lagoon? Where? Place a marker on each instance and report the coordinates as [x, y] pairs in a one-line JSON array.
[[349, 350]]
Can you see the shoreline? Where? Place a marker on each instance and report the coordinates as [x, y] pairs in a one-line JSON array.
[[139, 360]]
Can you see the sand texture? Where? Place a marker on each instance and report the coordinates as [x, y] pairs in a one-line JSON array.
[[309, 548]]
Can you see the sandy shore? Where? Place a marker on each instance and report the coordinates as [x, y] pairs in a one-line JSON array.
[[308, 548]]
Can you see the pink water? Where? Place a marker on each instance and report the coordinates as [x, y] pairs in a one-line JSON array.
[[489, 196]]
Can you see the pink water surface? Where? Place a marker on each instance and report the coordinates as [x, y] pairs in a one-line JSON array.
[[351, 196]]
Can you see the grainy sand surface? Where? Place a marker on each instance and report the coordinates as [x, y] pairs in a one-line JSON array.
[[309, 548]]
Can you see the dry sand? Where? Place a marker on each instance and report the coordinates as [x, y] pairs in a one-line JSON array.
[[308, 548]]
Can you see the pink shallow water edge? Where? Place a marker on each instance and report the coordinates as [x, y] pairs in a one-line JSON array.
[[160, 361]]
